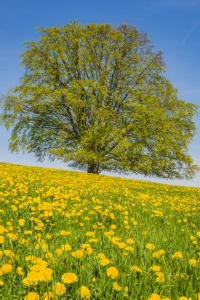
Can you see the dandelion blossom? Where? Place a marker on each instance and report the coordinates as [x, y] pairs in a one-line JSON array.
[[6, 268], [84, 292], [130, 241], [46, 275], [116, 286], [48, 296], [150, 246], [136, 269], [112, 272], [66, 247], [154, 297], [59, 288], [69, 278], [193, 262], [19, 271], [104, 262], [32, 296], [77, 253], [101, 255], [156, 268]]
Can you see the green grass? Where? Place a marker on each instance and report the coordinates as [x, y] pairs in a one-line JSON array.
[[99, 215]]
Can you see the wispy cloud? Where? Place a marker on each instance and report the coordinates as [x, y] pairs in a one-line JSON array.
[[191, 92], [190, 32]]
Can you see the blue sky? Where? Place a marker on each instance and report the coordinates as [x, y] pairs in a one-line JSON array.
[[172, 25]]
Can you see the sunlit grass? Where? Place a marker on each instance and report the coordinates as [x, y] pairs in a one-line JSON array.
[[72, 235]]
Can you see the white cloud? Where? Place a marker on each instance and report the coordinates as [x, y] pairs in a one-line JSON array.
[[191, 92], [190, 32]]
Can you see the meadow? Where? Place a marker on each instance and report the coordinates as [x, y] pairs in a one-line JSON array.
[[73, 235]]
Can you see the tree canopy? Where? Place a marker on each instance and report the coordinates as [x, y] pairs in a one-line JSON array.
[[97, 96]]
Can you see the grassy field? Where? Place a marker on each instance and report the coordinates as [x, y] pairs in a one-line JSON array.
[[71, 235]]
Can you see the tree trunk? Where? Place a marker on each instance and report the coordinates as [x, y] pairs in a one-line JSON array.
[[93, 168]]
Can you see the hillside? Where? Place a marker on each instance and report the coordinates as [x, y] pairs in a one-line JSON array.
[[73, 235]]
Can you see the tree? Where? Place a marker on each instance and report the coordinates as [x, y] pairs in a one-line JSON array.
[[96, 96]]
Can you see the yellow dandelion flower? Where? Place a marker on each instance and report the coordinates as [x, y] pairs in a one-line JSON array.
[[37, 268], [116, 286], [89, 233], [77, 253], [41, 262], [84, 246], [130, 241], [59, 289], [21, 222], [68, 233], [156, 268], [49, 257], [9, 253], [59, 252], [177, 254], [93, 240], [19, 271], [6, 268], [113, 226], [66, 247], [112, 272], [162, 251], [129, 248], [89, 251], [33, 276], [32, 296], [121, 245], [48, 296], [150, 246], [1, 239], [84, 292], [160, 277], [104, 262], [155, 255], [27, 232], [115, 240], [154, 297], [193, 262], [69, 278], [26, 281], [136, 269], [1, 282], [46, 275], [30, 257], [101, 255]]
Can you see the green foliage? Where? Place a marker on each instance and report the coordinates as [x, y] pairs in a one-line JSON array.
[[96, 96]]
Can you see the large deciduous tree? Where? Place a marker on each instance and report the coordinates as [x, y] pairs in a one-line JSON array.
[[96, 96]]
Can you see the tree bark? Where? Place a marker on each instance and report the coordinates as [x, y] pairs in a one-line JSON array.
[[93, 168]]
